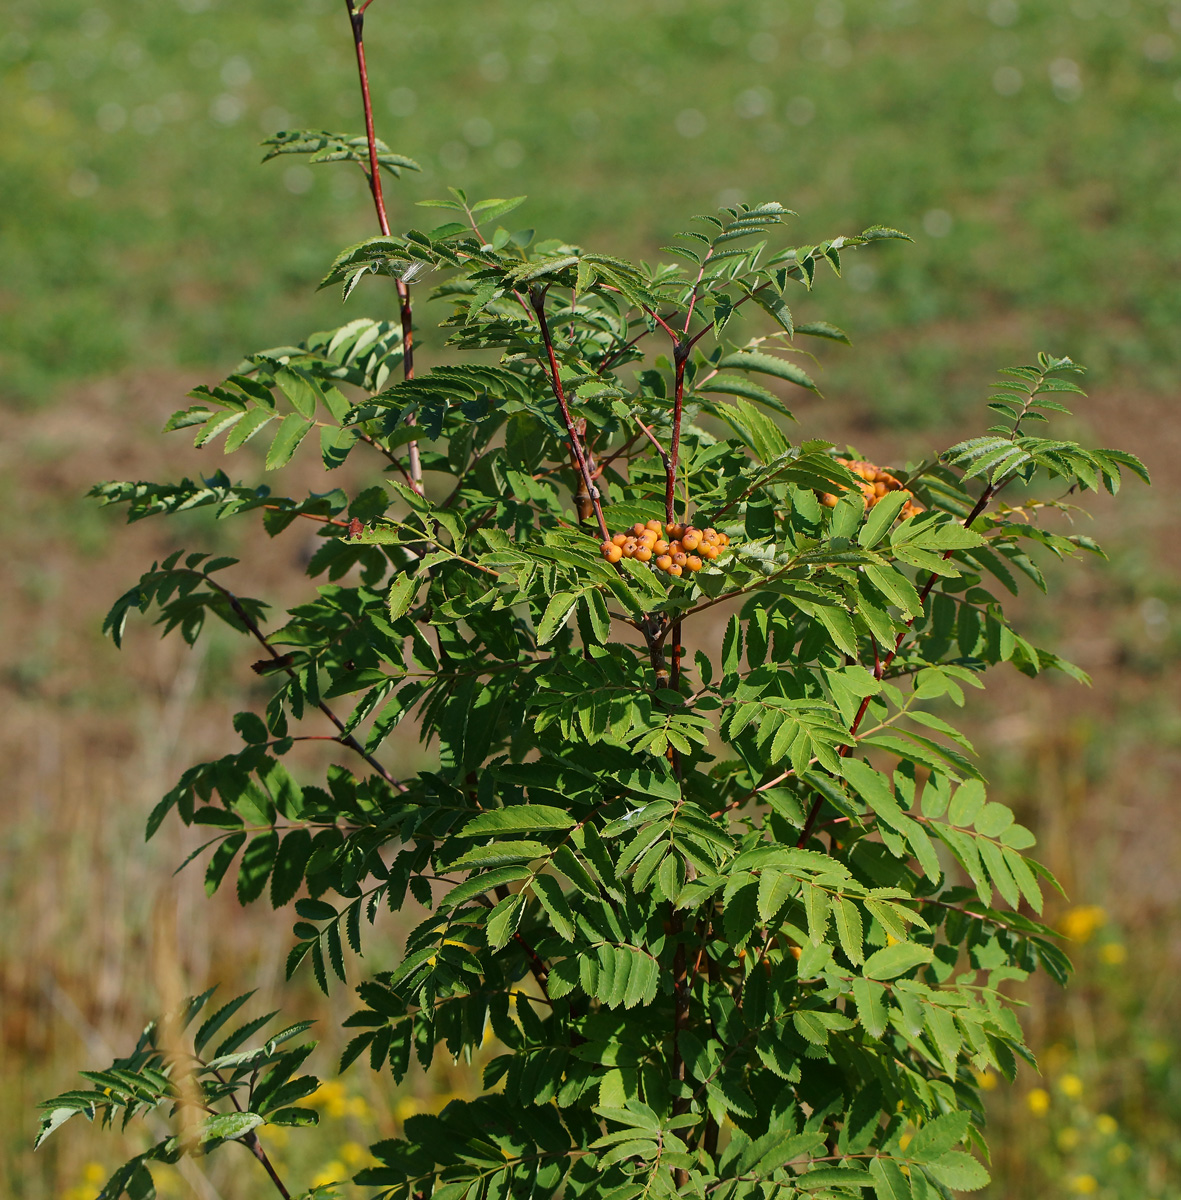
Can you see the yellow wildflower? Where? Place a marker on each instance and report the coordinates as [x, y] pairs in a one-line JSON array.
[[1113, 953], [1106, 1124], [333, 1172], [1119, 1154], [355, 1155], [1085, 1185], [1068, 1139], [1080, 923], [1055, 1058], [406, 1107], [94, 1173], [1071, 1086], [985, 1080], [358, 1107], [1038, 1102]]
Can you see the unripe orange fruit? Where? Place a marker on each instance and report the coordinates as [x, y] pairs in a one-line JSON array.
[[710, 552], [691, 540], [644, 553], [710, 534], [675, 569], [619, 539], [680, 558], [694, 563], [659, 547], [664, 562], [674, 547], [655, 526], [828, 500], [638, 528], [611, 552], [723, 540], [674, 531]]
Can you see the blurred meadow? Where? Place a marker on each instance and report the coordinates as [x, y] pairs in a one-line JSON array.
[[1032, 148]]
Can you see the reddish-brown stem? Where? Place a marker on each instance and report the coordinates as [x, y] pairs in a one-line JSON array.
[[310, 516], [880, 667], [680, 1003], [255, 1147], [680, 356], [696, 285], [672, 333], [405, 311], [609, 361], [653, 439], [537, 299], [606, 462], [346, 738], [251, 1142]]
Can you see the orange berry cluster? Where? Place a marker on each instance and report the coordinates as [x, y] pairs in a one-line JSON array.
[[672, 548], [877, 483]]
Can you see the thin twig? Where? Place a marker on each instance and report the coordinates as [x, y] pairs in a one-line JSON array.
[[346, 738], [405, 312], [251, 1142], [881, 666], [537, 299], [652, 438]]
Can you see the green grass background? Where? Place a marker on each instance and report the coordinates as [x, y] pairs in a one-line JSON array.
[[1032, 148]]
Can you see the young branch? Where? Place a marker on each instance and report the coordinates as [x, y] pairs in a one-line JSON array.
[[281, 660], [680, 357], [653, 439], [251, 1142], [405, 311], [880, 665], [577, 453]]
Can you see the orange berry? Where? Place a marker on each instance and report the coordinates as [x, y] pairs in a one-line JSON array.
[[644, 553], [612, 552], [619, 539], [828, 500], [638, 528], [880, 488], [723, 540], [674, 531], [659, 547], [647, 538], [680, 558], [691, 540], [674, 547], [710, 552], [630, 547], [693, 563], [655, 526], [675, 570], [664, 562]]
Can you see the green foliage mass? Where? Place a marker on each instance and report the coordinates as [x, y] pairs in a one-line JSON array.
[[740, 926]]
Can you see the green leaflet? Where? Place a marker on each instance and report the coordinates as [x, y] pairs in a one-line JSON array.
[[892, 961], [521, 818]]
